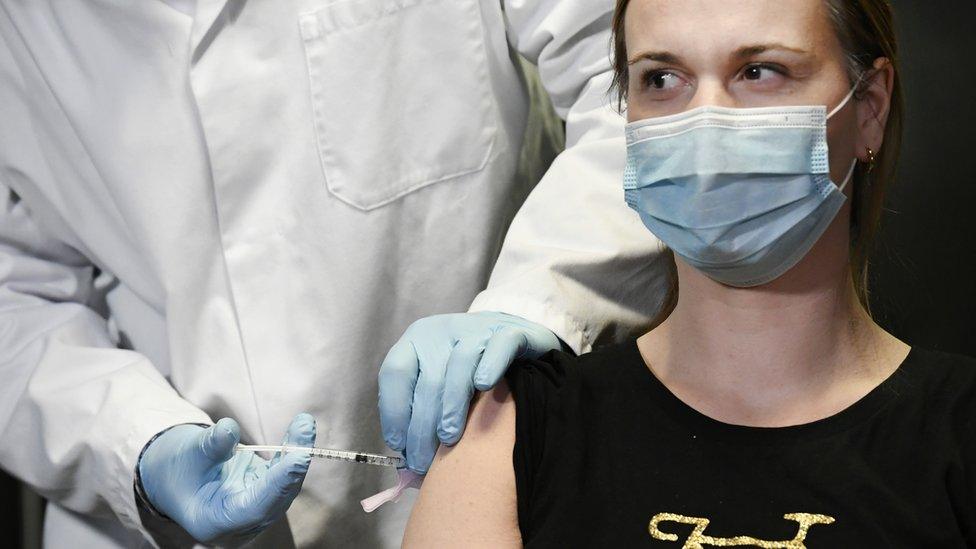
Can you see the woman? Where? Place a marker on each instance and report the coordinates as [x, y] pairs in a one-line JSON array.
[[767, 409]]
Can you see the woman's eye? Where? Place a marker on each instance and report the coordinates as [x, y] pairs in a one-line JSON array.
[[662, 81], [761, 73]]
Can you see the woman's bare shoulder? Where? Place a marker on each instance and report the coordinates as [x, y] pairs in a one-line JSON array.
[[468, 497]]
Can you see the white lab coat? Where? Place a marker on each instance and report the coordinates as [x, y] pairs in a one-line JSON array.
[[235, 210]]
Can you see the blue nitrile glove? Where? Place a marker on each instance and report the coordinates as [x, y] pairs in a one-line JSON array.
[[429, 376], [193, 475]]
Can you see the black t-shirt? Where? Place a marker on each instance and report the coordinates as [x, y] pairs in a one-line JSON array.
[[606, 456]]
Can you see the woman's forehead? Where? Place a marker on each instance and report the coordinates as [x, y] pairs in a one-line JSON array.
[[708, 27]]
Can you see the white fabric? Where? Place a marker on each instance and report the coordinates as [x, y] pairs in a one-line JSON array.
[[257, 200], [187, 7]]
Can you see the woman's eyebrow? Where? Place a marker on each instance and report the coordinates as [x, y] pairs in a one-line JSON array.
[[756, 49], [660, 56], [741, 53]]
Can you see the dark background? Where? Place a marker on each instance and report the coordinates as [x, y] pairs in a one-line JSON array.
[[924, 272]]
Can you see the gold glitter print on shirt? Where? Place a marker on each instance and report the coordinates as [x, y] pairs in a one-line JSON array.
[[698, 539]]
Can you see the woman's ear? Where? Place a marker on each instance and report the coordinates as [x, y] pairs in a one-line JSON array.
[[873, 107]]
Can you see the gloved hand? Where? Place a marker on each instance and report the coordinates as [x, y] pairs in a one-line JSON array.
[[192, 475], [428, 377]]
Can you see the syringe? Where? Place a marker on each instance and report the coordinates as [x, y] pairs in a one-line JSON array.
[[340, 455]]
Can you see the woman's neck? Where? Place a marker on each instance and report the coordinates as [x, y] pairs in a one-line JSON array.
[[793, 351]]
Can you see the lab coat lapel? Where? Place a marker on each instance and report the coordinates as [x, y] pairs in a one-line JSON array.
[[246, 79], [209, 18]]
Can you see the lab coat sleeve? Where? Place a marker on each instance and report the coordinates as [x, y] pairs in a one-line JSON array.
[[75, 411], [576, 259]]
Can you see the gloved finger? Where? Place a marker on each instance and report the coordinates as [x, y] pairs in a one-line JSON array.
[[504, 347], [272, 494], [218, 441], [458, 388], [426, 414], [397, 382], [301, 432]]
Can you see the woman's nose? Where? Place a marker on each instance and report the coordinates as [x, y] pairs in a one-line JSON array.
[[713, 93]]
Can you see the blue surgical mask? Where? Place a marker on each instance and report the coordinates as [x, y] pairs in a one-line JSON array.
[[739, 194]]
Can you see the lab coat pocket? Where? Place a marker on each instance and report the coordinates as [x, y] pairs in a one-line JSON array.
[[400, 95]]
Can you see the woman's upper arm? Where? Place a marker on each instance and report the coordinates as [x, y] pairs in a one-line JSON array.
[[468, 497]]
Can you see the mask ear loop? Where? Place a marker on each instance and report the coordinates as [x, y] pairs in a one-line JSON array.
[[850, 95], [850, 175], [848, 98]]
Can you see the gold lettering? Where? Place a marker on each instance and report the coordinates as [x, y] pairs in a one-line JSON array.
[[697, 539]]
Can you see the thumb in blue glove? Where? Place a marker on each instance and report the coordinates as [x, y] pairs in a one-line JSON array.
[[429, 376], [193, 475]]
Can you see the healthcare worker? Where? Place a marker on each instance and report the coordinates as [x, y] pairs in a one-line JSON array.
[[232, 208]]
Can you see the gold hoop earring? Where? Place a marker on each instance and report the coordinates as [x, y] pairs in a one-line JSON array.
[[871, 159]]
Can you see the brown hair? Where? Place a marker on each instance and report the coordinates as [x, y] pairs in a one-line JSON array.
[[866, 32]]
